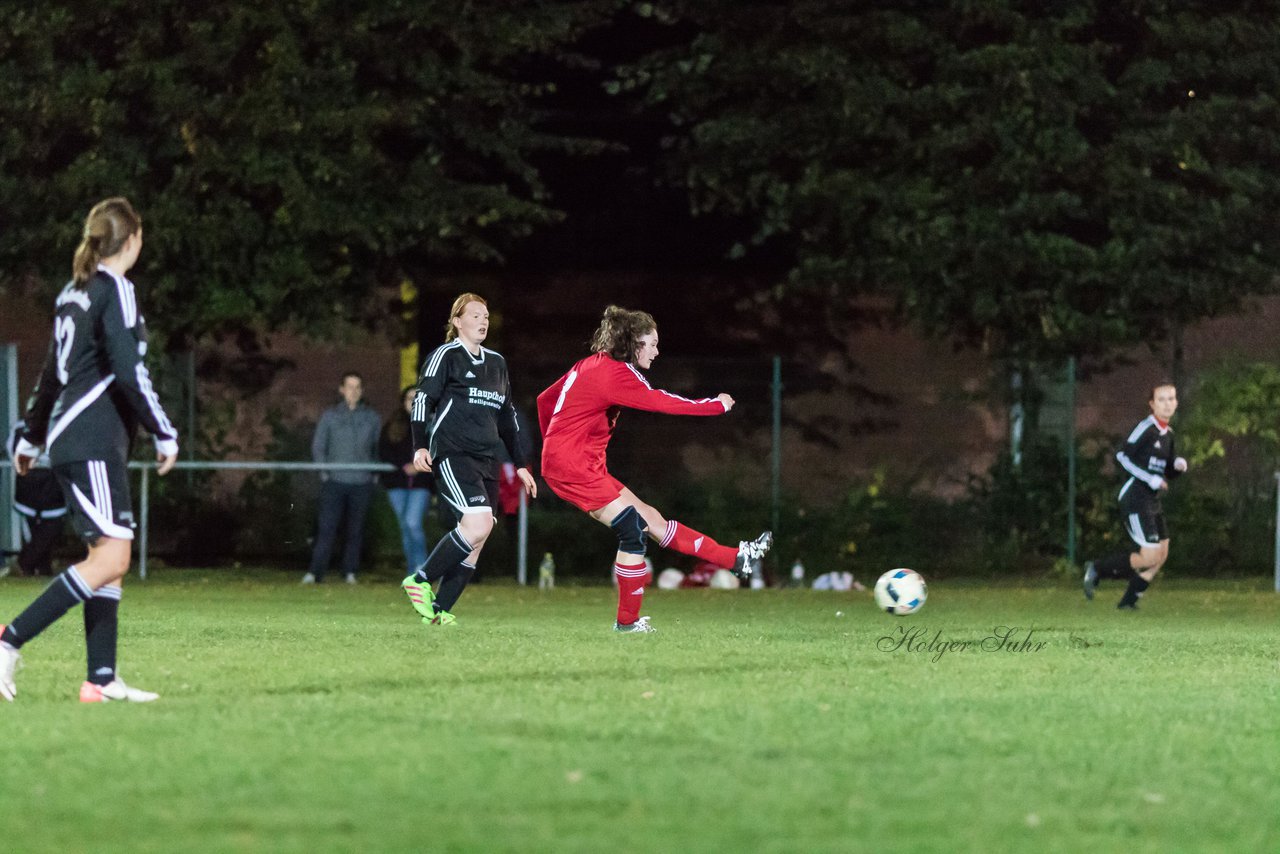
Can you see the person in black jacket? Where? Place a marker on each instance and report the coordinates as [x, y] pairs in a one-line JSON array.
[[408, 489], [461, 412], [92, 394], [1150, 461], [38, 500]]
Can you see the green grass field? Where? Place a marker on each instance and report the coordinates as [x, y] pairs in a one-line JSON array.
[[330, 719]]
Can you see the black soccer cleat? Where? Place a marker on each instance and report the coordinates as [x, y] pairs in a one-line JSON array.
[[750, 554], [1090, 580]]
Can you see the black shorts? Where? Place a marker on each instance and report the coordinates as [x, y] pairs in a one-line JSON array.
[[1143, 520], [98, 499], [468, 484], [37, 495]]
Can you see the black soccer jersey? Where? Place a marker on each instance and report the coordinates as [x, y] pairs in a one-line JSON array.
[[1147, 456], [463, 406], [94, 389]]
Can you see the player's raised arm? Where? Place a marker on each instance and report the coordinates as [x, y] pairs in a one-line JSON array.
[[632, 390]]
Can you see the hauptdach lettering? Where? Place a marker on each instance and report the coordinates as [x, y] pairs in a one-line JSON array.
[[481, 397]]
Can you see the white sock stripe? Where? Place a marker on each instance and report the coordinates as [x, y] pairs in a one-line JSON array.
[[670, 533], [461, 540], [468, 565], [76, 584], [108, 592]]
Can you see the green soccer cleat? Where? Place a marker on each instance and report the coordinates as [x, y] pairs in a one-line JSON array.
[[441, 618], [420, 597]]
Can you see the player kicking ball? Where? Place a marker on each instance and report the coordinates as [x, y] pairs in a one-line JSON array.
[[577, 415]]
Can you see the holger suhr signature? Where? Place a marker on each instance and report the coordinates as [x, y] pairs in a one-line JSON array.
[[920, 640]]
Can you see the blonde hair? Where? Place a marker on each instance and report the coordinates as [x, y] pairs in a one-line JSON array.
[[620, 331], [109, 224], [460, 308]]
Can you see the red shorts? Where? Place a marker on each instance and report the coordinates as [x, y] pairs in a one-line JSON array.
[[586, 495]]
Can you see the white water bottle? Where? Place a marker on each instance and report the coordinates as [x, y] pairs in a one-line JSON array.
[[547, 572], [797, 574]]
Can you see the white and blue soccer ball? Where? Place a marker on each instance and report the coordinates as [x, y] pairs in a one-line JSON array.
[[901, 592]]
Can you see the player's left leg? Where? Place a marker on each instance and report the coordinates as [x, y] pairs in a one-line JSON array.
[[476, 527], [628, 524], [1146, 563], [464, 484]]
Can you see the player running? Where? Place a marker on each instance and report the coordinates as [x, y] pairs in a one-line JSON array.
[[461, 411], [1149, 458], [92, 394], [577, 415]]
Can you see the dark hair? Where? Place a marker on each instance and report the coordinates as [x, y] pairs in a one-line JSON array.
[[398, 424], [459, 308], [1161, 384], [109, 224], [355, 374], [620, 331]]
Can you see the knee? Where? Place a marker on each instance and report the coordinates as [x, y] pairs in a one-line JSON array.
[[629, 528], [476, 527]]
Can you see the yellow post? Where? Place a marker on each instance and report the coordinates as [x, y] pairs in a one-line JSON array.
[[409, 352]]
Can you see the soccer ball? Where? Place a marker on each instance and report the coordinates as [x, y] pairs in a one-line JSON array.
[[901, 592]]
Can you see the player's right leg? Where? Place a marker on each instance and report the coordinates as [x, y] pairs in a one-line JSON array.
[[668, 533]]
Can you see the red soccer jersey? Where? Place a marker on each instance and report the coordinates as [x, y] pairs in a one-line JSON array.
[[578, 412]]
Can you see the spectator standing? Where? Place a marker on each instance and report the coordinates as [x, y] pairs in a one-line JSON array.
[[347, 433], [408, 489]]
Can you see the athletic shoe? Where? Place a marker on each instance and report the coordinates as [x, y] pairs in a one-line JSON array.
[[1090, 579], [420, 596], [750, 553], [115, 690], [9, 660], [1127, 606], [350, 578], [641, 625], [309, 578], [442, 618]]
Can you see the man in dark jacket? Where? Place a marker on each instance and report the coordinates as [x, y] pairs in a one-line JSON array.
[[347, 433]]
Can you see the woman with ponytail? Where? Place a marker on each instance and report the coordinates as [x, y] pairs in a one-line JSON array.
[[577, 415], [93, 393]]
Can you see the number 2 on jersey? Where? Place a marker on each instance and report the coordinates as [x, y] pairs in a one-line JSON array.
[[64, 332]]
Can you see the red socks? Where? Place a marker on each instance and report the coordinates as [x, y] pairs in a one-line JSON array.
[[688, 541], [631, 581]]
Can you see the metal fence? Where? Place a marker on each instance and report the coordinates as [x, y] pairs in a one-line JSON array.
[[145, 470]]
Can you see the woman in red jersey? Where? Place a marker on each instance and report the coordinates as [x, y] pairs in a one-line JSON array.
[[577, 415]]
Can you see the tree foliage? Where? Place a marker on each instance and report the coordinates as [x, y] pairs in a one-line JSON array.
[[287, 157], [1040, 179]]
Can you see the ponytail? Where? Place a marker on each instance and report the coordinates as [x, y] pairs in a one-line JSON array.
[[620, 331], [109, 224]]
